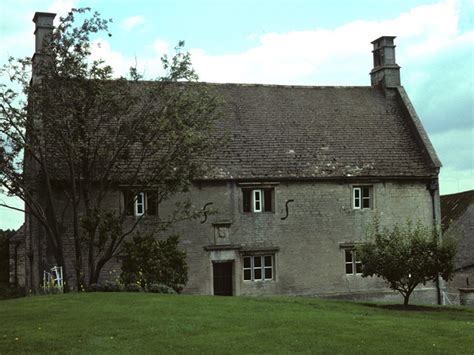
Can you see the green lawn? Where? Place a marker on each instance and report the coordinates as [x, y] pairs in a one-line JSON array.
[[146, 323]]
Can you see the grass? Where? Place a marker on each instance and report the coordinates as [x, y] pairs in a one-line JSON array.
[[152, 323]]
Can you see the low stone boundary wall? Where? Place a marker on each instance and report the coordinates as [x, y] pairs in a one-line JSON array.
[[466, 297]]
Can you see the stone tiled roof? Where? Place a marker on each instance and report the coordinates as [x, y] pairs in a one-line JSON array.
[[307, 132], [19, 235], [453, 206], [271, 131], [457, 212]]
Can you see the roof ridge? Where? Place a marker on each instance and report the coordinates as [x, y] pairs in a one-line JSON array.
[[467, 192], [293, 86]]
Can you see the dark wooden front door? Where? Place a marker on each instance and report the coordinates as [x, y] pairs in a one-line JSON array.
[[223, 278]]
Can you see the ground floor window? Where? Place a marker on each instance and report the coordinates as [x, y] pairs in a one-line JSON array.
[[352, 263], [258, 268]]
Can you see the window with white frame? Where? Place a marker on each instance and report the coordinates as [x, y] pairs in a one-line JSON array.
[[141, 203], [258, 200], [362, 197], [258, 268], [352, 263]]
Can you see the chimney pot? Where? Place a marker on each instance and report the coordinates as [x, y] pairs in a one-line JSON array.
[[44, 28], [386, 72]]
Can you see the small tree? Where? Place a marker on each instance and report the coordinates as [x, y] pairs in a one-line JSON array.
[[407, 255], [148, 261]]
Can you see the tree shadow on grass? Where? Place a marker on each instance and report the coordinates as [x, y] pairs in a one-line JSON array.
[[412, 307]]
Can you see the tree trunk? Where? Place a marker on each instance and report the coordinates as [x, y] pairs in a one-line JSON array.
[[406, 298], [94, 278]]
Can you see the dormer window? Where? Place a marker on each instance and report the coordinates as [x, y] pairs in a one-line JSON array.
[[258, 200]]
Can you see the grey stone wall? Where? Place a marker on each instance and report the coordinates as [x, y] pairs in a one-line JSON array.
[[308, 257], [17, 264], [463, 229]]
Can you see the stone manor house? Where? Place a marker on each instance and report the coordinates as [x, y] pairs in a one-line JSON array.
[[303, 172]]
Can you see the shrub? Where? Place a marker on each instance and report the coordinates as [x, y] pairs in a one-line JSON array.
[[160, 288], [11, 292], [106, 286], [133, 288], [148, 262], [92, 288], [112, 286]]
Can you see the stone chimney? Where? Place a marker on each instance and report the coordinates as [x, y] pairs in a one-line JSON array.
[[386, 72], [43, 31]]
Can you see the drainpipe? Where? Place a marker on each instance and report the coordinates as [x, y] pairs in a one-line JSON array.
[[434, 192]]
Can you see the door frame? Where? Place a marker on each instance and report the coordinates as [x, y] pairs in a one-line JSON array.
[[232, 274]]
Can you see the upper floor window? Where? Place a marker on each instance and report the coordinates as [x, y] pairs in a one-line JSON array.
[[143, 203], [258, 200], [362, 197], [258, 268], [352, 263]]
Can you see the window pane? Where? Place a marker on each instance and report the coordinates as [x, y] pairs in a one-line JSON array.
[[349, 269], [268, 260], [246, 199], [366, 203], [139, 204], [128, 203], [247, 274], [356, 197], [257, 261], [366, 191], [258, 208], [348, 253], [152, 203], [258, 274], [268, 200], [356, 192], [359, 267], [268, 273], [257, 200], [247, 262]]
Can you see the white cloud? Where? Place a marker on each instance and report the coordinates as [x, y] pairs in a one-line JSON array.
[[61, 8], [131, 22], [149, 66], [101, 49], [333, 57], [161, 47]]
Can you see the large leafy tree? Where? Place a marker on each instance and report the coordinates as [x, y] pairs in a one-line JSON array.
[[82, 134], [407, 255]]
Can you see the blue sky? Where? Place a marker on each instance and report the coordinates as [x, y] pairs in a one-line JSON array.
[[299, 42]]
